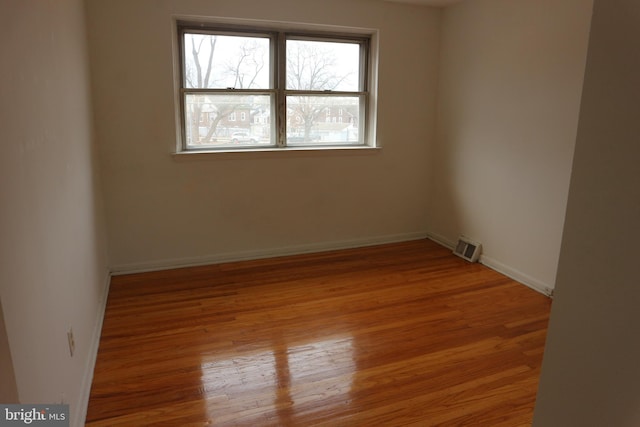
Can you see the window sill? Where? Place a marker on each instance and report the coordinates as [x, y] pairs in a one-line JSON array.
[[201, 154]]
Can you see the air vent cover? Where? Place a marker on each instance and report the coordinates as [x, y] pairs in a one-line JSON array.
[[467, 249]]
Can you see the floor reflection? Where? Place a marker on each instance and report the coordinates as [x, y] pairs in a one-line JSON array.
[[284, 381]]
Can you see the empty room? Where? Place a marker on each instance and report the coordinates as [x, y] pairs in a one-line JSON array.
[[247, 212]]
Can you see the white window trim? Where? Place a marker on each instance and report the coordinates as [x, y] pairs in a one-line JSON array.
[[371, 75]]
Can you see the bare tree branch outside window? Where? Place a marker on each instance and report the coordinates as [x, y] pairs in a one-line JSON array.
[[221, 62], [315, 66]]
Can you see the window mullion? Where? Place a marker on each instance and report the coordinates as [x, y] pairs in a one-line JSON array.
[[205, 91], [296, 92], [281, 83]]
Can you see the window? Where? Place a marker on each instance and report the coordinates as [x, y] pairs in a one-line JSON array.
[[289, 83]]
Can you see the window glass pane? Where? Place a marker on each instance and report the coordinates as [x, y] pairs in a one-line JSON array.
[[227, 120], [321, 65], [221, 62], [323, 120]]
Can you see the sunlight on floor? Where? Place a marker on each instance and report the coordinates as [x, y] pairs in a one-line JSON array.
[[282, 378]]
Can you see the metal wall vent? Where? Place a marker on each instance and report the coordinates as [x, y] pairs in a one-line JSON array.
[[467, 249]]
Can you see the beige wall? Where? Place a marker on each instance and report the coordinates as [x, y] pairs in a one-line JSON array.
[[165, 211], [590, 374], [510, 82], [52, 248]]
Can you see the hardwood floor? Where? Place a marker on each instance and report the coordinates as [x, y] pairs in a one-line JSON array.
[[395, 335]]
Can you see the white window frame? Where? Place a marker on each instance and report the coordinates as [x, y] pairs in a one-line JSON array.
[[367, 41]]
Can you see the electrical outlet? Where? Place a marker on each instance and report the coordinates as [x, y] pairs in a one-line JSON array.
[[72, 343]]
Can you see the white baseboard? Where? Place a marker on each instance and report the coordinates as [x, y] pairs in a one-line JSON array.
[[517, 275], [80, 414], [262, 253], [442, 240], [166, 264], [496, 265]]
